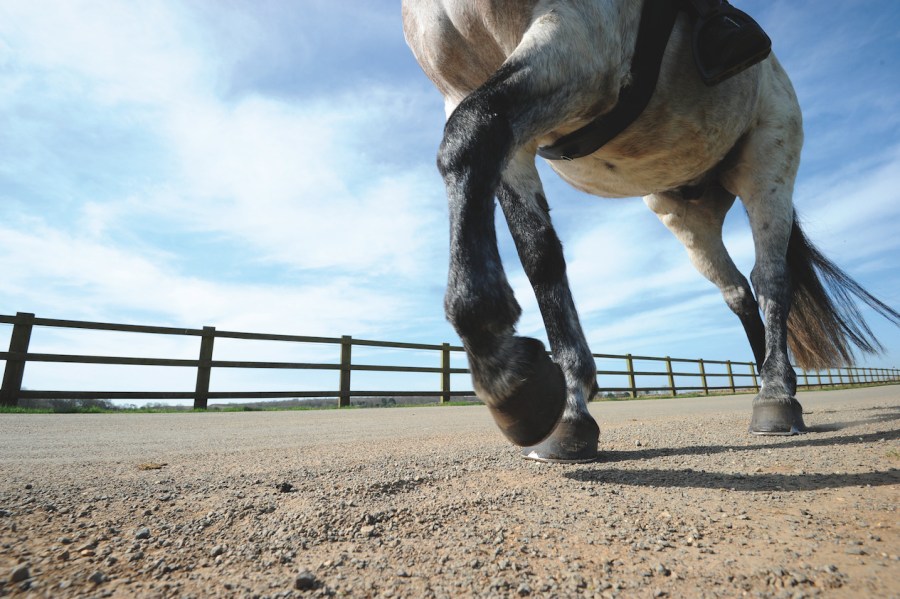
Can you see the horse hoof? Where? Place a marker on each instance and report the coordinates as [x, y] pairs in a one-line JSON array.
[[528, 414], [572, 442], [773, 418]]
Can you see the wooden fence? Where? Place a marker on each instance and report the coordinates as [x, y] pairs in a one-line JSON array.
[[676, 376]]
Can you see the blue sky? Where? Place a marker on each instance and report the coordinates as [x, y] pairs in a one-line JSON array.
[[269, 166]]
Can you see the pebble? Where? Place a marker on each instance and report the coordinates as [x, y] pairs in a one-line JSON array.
[[142, 533], [19, 573], [305, 581]]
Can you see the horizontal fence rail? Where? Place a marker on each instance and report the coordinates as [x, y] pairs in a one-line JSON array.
[[671, 377]]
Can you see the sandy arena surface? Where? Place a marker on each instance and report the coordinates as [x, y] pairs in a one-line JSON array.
[[432, 502]]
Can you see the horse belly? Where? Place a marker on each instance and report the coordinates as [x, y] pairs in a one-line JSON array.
[[686, 131]]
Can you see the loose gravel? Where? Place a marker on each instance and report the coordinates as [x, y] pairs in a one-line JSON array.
[[431, 502]]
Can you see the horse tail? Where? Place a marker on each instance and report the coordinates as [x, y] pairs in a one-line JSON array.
[[825, 323]]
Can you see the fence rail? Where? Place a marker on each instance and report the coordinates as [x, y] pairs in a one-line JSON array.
[[702, 375]]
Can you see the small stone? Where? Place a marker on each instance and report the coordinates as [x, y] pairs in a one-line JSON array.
[[524, 590], [97, 577], [284, 487], [19, 573], [305, 581], [142, 533], [637, 443], [367, 531], [217, 551]]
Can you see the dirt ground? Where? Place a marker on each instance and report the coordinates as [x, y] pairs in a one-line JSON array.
[[431, 502]]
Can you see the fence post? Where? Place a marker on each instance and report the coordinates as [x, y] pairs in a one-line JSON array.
[[14, 372], [805, 380], [703, 377], [631, 381], [840, 376], [730, 376], [830, 379], [753, 375], [346, 351], [445, 373], [819, 377], [204, 368], [671, 376]]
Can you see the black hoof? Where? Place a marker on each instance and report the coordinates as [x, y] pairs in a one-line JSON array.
[[528, 414], [572, 442], [776, 418]]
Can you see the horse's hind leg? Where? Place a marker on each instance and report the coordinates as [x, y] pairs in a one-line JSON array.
[[528, 215], [697, 223], [763, 178]]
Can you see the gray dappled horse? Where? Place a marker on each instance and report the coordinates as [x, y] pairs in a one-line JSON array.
[[520, 74]]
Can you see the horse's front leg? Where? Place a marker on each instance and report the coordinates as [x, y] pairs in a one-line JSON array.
[[524, 389], [528, 215]]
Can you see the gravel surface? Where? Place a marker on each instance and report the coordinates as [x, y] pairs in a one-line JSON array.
[[431, 502]]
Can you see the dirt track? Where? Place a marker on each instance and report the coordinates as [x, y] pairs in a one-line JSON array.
[[432, 502]]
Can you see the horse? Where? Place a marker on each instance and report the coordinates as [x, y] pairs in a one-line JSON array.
[[520, 75]]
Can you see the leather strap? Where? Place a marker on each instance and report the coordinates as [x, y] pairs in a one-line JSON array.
[[657, 21]]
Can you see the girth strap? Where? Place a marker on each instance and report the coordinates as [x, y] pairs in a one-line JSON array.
[[657, 21]]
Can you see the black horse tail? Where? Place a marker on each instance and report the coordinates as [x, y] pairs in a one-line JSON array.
[[825, 323]]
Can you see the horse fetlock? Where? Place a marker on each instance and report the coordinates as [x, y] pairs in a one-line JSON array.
[[523, 388], [778, 380]]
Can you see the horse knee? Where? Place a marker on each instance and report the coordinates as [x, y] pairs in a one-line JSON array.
[[480, 315]]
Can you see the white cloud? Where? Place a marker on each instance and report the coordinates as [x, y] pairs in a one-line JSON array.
[[83, 279], [117, 52], [294, 182]]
